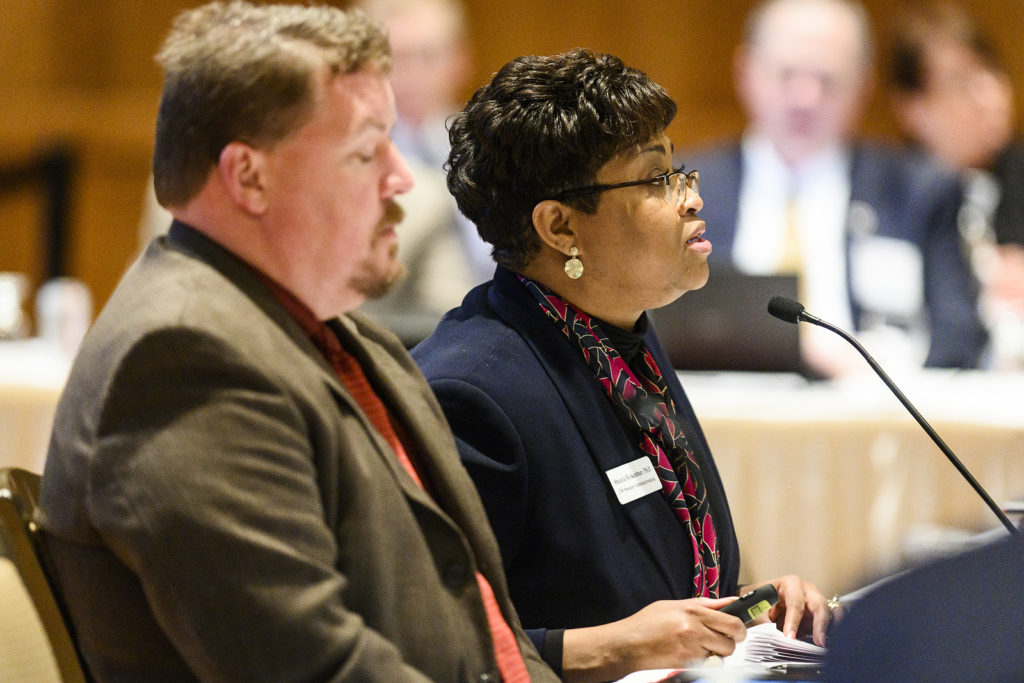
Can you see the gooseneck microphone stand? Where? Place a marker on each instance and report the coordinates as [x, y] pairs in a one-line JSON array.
[[792, 311]]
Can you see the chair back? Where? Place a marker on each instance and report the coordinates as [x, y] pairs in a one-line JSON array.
[[20, 558]]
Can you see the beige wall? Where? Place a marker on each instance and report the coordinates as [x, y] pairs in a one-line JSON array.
[[82, 71]]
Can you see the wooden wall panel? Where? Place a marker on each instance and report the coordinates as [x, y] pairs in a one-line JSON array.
[[82, 71], [660, 37]]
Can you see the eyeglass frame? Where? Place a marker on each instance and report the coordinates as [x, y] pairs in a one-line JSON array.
[[690, 180]]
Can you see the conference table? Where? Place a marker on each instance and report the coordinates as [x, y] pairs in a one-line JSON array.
[[836, 482], [32, 375], [830, 480]]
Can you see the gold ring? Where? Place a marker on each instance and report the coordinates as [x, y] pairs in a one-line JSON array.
[[833, 602]]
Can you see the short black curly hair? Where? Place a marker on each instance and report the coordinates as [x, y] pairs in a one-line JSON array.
[[541, 126]]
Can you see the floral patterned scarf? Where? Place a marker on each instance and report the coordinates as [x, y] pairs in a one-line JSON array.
[[643, 398]]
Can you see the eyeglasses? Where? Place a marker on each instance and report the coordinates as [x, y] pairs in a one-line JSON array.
[[676, 183]]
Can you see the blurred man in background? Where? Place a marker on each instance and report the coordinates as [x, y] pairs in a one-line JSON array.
[[441, 250], [870, 233]]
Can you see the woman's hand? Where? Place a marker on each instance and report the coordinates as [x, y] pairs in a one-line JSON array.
[[665, 634], [801, 609]]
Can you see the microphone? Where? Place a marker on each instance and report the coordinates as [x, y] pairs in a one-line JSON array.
[[791, 311]]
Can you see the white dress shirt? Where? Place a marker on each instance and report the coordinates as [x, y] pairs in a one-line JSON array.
[[820, 191], [816, 195]]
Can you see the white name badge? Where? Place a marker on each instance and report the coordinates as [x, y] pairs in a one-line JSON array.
[[634, 480]]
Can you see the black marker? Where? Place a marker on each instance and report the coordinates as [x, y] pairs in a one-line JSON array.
[[753, 604]]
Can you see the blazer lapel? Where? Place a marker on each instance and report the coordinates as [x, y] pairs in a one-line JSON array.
[[197, 245], [412, 404], [396, 378], [590, 409], [702, 453], [865, 190]]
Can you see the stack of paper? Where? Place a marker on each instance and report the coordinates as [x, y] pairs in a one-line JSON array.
[[764, 651], [765, 644]]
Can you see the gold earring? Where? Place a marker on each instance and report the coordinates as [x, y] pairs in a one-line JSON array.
[[574, 267]]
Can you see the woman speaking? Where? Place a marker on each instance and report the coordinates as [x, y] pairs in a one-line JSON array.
[[613, 523]]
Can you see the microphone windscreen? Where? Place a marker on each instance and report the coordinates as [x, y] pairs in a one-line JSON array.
[[785, 309]]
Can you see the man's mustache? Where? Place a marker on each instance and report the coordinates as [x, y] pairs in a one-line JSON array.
[[393, 213]]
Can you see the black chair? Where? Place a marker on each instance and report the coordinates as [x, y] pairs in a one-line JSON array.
[[19, 544]]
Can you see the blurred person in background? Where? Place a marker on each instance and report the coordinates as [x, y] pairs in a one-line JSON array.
[[954, 99], [870, 231], [441, 250]]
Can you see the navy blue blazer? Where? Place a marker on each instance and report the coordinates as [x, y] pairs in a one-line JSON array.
[[906, 198], [537, 433]]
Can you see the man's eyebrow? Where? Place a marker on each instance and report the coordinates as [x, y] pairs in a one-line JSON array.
[[367, 130], [370, 123]]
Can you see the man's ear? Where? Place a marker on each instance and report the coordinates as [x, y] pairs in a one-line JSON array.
[[242, 169], [552, 221]]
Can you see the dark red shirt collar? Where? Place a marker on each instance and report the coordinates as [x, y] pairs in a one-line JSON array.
[[322, 335]]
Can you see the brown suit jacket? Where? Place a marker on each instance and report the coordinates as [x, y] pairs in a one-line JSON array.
[[216, 506]]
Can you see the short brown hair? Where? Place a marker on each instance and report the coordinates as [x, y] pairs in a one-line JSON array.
[[241, 72]]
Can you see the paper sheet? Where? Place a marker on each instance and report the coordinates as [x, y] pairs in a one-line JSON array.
[[764, 646]]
